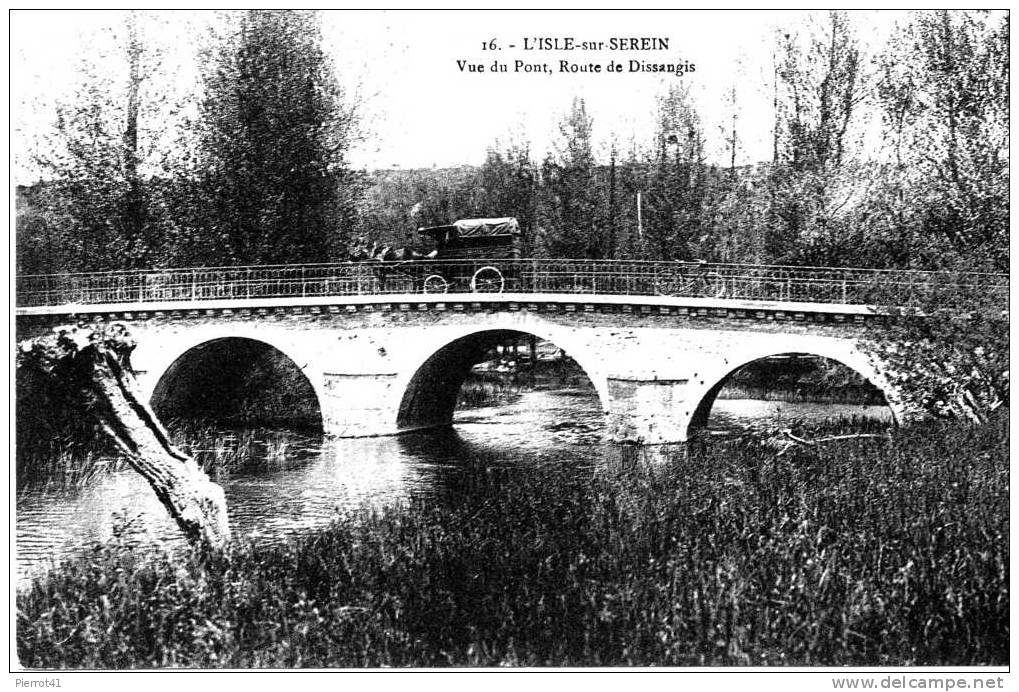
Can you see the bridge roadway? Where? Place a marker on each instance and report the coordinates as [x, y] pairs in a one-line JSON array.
[[384, 363]]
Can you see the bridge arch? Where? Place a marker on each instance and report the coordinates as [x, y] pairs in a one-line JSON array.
[[428, 390], [705, 389], [188, 364]]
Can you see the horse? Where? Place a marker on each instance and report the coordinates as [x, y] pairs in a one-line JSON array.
[[386, 253]]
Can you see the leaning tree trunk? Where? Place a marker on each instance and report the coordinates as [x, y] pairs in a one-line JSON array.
[[90, 365]]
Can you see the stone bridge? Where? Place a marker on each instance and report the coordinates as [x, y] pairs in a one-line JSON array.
[[383, 363]]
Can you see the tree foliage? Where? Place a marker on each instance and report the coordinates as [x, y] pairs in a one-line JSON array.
[[508, 185], [950, 357], [822, 89], [944, 94], [818, 91], [262, 175], [99, 210], [569, 219], [677, 180], [271, 180]]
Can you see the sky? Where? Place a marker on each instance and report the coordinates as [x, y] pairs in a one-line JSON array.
[[418, 107]]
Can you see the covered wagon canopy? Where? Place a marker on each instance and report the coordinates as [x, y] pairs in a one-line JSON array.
[[506, 227]]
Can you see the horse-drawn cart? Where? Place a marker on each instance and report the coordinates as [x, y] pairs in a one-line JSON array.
[[476, 245]]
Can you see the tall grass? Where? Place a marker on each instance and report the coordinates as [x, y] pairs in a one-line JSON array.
[[866, 552], [490, 387], [481, 390], [60, 466], [220, 451]]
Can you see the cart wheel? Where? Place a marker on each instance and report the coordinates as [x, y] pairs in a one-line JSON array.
[[435, 284], [487, 280]]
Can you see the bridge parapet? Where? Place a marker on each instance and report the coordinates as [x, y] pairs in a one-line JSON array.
[[733, 282]]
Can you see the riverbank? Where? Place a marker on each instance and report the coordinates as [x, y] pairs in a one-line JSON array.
[[501, 381], [785, 379], [865, 552], [863, 396]]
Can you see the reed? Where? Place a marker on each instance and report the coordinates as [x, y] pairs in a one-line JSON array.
[[482, 391], [803, 394], [65, 467], [869, 551]]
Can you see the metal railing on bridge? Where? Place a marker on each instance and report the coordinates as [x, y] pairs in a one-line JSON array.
[[537, 276]]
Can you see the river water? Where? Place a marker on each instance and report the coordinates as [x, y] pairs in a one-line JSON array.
[[313, 480]]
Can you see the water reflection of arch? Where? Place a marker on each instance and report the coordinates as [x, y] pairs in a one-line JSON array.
[[428, 389], [340, 476], [706, 388], [203, 350]]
